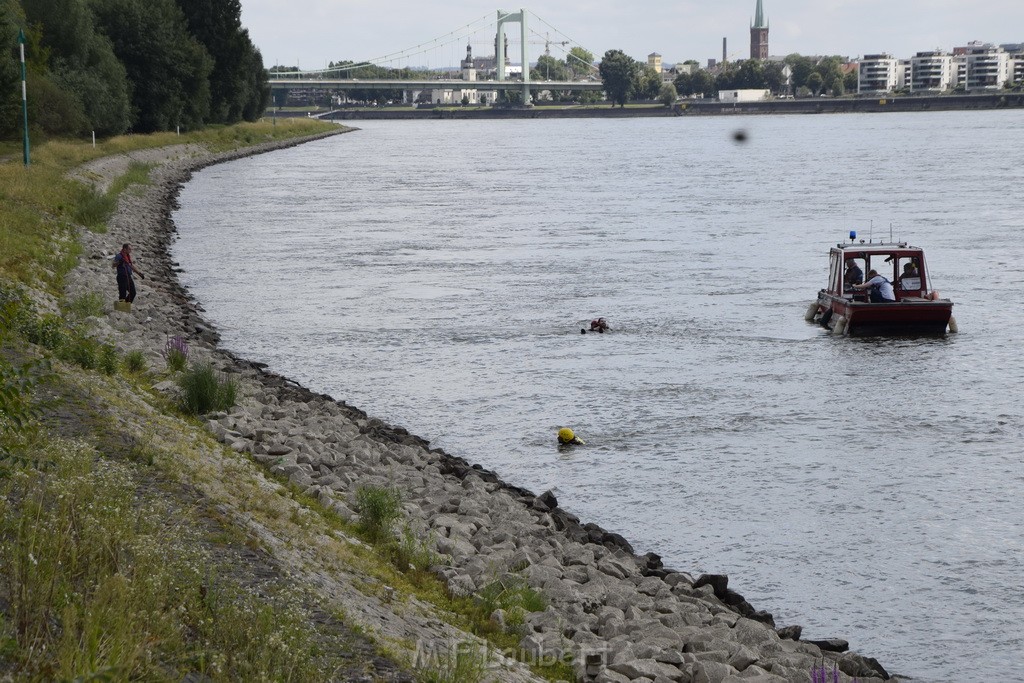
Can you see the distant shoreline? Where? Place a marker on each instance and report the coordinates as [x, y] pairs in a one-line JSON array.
[[821, 105]]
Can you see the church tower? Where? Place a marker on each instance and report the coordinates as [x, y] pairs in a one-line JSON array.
[[759, 34]]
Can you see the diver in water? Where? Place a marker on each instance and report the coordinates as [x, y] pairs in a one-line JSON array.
[[599, 325]]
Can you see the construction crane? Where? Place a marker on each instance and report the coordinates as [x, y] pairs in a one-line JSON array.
[[548, 42]]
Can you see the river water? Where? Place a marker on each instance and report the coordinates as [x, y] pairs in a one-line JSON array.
[[437, 274]]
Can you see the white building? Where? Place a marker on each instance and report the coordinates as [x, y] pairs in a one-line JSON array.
[[736, 96], [932, 72], [880, 73], [988, 67]]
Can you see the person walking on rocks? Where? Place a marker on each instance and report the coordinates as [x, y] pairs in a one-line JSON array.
[[126, 269]]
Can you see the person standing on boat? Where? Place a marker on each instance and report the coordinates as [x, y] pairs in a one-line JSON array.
[[853, 275], [126, 270], [881, 289], [909, 273]]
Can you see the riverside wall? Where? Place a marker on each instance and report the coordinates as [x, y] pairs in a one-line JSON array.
[[820, 105], [620, 616]]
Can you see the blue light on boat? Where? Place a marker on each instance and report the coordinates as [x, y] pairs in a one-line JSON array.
[[853, 234]]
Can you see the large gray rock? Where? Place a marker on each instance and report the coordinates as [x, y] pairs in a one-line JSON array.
[[754, 634], [755, 674], [742, 658], [617, 568], [648, 668], [609, 676], [712, 672]]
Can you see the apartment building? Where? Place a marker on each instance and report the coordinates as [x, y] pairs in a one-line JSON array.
[[986, 66], [933, 72], [880, 73]]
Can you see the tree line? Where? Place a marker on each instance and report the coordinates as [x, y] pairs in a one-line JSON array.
[[114, 66], [627, 79]]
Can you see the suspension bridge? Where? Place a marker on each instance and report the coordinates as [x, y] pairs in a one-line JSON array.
[[466, 78]]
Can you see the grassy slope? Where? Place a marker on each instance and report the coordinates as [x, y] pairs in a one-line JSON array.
[[121, 552]]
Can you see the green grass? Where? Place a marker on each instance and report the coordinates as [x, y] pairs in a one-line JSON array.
[[465, 663], [204, 390], [86, 305], [100, 586], [379, 509], [135, 362]]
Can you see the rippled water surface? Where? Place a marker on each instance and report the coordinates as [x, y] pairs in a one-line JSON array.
[[437, 274]]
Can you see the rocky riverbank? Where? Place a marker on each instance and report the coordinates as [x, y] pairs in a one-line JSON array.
[[619, 616]]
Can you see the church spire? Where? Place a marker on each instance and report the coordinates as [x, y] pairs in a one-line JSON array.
[[759, 17]]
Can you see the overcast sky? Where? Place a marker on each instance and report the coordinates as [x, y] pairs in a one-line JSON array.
[[314, 32]]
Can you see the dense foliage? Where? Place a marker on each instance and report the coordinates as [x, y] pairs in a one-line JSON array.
[[10, 74], [808, 76], [620, 74], [113, 66]]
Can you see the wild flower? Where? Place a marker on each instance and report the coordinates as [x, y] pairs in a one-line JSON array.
[[821, 674], [176, 353]]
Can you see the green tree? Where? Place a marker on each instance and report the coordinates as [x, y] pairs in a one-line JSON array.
[[704, 83], [646, 83], [750, 75], [549, 69], [10, 76], [668, 94], [814, 82], [579, 62], [236, 86], [727, 78], [830, 68], [168, 69], [82, 64], [259, 89], [850, 81], [683, 83], [52, 109], [774, 78], [618, 73], [801, 67]]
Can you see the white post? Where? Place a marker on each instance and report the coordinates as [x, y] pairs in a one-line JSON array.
[[499, 47], [526, 59]]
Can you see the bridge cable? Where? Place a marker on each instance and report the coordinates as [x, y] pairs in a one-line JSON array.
[[564, 35]]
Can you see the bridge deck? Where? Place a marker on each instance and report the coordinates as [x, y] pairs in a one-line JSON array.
[[439, 84]]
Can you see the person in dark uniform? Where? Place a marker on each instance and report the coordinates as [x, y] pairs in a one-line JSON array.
[[126, 270], [853, 275]]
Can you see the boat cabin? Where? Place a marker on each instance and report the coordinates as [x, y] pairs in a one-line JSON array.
[[899, 263], [918, 309]]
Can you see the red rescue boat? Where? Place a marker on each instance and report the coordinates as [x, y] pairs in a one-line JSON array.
[[916, 308]]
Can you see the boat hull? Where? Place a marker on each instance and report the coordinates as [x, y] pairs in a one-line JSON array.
[[909, 317]]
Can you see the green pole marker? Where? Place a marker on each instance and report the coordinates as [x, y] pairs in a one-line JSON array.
[[24, 91]]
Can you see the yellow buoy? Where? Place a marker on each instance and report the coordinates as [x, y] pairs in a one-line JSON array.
[[567, 436]]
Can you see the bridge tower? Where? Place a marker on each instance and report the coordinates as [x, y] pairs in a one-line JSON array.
[[513, 17]]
